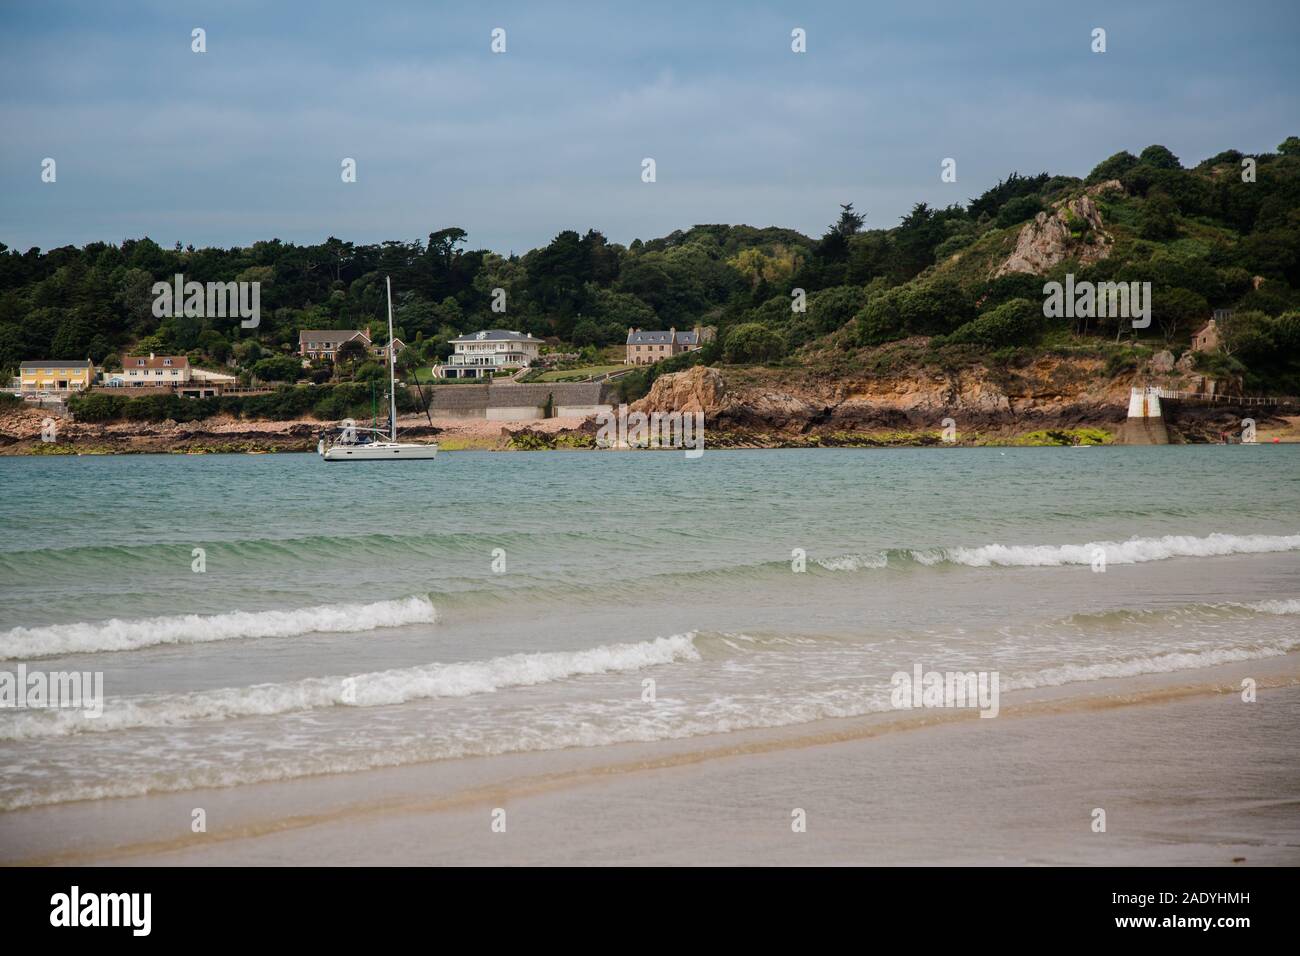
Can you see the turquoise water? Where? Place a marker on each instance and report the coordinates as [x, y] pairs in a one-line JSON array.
[[374, 614]]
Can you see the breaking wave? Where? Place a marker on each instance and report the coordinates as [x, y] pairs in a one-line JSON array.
[[127, 635], [374, 689], [1133, 551]]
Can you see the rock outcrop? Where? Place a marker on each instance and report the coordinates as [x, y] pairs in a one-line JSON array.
[[1109, 186], [1162, 363], [698, 389], [1073, 231], [780, 404]]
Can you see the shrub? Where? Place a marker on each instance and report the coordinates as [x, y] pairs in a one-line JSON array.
[[1017, 322], [283, 368], [1018, 210], [754, 342], [1113, 168], [1119, 363], [881, 320], [97, 406]]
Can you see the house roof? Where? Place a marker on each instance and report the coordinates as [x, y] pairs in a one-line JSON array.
[[496, 335], [154, 361], [662, 337], [330, 335], [58, 363]]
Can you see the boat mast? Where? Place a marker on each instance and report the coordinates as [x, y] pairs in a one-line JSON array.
[[392, 363]]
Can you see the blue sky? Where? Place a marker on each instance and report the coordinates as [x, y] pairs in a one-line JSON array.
[[244, 142]]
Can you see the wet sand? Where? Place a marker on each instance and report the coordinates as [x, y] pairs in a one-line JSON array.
[[1186, 772]]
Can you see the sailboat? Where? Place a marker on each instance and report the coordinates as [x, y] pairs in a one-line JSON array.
[[372, 444]]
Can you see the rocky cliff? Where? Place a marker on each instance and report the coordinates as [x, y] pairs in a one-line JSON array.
[[1073, 230], [774, 406]]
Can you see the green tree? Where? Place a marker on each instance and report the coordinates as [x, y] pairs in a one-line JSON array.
[[1018, 210], [1017, 322], [1160, 158], [350, 352], [1178, 309], [1113, 167], [283, 368], [754, 342], [1240, 328], [1158, 217]]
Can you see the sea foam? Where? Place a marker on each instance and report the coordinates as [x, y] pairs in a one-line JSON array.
[[373, 689], [128, 635], [1133, 551]]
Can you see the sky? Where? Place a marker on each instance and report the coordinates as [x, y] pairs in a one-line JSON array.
[[245, 141]]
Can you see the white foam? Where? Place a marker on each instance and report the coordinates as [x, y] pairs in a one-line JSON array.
[[374, 689], [855, 562], [592, 723], [1133, 551], [128, 635], [1291, 606], [1155, 664]]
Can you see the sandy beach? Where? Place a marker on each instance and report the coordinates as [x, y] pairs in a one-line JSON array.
[[1185, 770], [372, 681]]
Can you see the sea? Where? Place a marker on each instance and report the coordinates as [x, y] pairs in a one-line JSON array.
[[268, 617]]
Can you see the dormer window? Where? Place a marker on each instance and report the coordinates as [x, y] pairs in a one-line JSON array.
[[167, 361]]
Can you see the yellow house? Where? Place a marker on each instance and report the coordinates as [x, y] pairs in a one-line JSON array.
[[54, 374]]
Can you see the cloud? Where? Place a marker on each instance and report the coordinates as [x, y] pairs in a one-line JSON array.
[[244, 142]]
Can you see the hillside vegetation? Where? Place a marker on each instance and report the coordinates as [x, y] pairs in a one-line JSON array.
[[937, 289]]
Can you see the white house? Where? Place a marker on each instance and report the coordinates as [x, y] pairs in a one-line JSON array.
[[139, 371], [481, 353]]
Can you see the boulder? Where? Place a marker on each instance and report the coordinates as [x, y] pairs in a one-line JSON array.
[[699, 389]]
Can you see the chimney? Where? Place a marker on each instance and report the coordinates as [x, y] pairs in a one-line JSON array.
[[150, 356]]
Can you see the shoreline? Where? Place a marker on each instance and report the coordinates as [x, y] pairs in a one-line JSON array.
[[732, 427], [553, 434], [1114, 743]]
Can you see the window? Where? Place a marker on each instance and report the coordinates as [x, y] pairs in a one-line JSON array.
[[167, 361]]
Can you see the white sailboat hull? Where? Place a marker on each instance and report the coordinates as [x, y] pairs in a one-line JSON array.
[[388, 449], [379, 451]]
